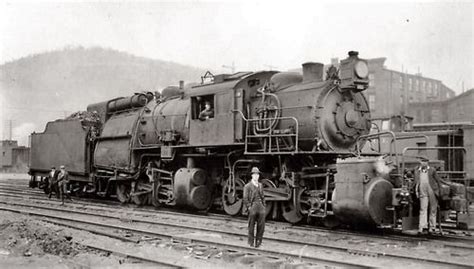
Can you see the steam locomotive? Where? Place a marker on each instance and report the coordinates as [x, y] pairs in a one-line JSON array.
[[302, 131]]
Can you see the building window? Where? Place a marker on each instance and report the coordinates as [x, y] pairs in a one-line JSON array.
[[410, 84], [3, 153], [372, 102], [371, 80], [435, 115]]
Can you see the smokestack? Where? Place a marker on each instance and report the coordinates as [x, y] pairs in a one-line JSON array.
[[313, 71], [181, 84]]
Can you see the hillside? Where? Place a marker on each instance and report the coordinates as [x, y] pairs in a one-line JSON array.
[[46, 86]]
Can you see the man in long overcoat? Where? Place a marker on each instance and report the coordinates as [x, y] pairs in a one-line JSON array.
[[63, 181], [52, 182], [254, 201]]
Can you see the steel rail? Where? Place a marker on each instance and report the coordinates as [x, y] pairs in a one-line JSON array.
[[218, 217], [233, 247], [272, 238]]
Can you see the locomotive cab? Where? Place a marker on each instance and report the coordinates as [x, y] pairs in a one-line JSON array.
[[216, 129], [228, 96]]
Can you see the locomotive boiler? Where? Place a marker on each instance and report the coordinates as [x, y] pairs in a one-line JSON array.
[[157, 149]]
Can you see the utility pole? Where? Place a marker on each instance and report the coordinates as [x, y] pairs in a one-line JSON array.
[[231, 67], [11, 128]]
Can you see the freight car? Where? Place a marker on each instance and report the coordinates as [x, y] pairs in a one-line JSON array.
[[157, 149]]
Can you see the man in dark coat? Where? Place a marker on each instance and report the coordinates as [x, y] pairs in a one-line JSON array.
[[254, 201], [207, 112], [427, 188], [53, 184], [63, 180]]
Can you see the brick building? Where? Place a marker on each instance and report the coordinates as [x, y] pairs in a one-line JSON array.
[[456, 109], [13, 158], [391, 92], [6, 156]]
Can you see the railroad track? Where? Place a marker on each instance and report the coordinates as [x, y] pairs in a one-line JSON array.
[[295, 244], [107, 204], [80, 224]]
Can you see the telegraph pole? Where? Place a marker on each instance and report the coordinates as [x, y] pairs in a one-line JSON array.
[[11, 127]]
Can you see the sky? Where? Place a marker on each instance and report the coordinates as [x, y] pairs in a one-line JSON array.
[[433, 38]]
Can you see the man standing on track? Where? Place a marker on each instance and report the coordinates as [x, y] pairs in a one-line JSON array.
[[254, 201], [53, 185], [427, 188], [63, 180]]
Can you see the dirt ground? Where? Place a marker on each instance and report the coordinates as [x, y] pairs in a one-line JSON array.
[[30, 243], [27, 242]]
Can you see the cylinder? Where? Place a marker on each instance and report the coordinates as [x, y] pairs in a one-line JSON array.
[[200, 197], [190, 189], [313, 71]]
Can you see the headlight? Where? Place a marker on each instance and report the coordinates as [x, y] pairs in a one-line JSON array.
[[361, 69]]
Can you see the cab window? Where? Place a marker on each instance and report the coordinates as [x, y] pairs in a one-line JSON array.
[[202, 107]]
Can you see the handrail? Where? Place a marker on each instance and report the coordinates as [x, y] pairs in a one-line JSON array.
[[428, 148], [358, 149], [393, 148], [268, 133]]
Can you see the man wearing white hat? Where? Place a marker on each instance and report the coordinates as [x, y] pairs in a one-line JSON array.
[[254, 201]]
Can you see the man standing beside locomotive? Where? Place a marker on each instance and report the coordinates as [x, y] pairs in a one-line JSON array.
[[427, 188], [254, 201], [63, 180], [53, 185]]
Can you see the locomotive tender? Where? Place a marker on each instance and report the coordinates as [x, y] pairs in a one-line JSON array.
[[155, 149]]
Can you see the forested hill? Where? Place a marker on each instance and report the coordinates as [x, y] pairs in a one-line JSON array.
[[43, 87]]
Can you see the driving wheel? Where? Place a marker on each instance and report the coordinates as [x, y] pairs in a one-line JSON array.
[[232, 200], [269, 205], [291, 211], [123, 192], [140, 199]]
